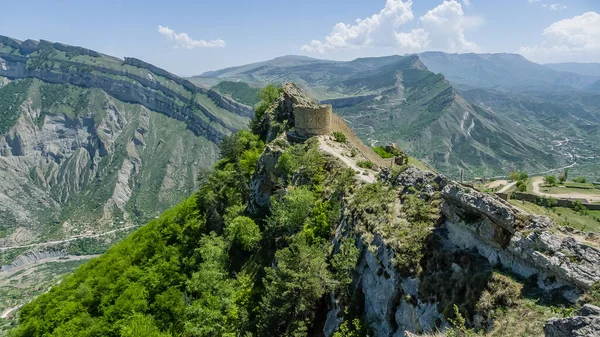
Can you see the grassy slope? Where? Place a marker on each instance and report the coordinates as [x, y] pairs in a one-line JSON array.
[[239, 91], [561, 215]]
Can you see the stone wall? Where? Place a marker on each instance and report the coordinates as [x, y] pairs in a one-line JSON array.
[[339, 125], [559, 202], [312, 120]]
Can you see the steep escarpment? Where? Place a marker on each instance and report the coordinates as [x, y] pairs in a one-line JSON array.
[[288, 237], [80, 160], [89, 141], [131, 80]]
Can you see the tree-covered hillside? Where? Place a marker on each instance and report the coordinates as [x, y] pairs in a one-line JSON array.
[[207, 267]]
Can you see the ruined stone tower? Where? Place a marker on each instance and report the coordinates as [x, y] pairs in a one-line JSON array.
[[312, 120]]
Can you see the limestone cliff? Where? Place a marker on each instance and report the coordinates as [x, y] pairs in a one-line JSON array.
[[89, 141]]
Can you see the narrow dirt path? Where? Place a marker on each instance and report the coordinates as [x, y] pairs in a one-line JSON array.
[[336, 152], [497, 183], [73, 238], [6, 312], [537, 181], [507, 187]]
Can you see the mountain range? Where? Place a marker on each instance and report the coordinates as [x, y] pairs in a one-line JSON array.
[[439, 107]]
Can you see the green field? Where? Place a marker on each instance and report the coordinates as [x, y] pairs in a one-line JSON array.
[[589, 222], [566, 189]]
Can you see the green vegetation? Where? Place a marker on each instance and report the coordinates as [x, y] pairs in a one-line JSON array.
[[208, 268], [268, 96], [589, 222], [339, 137], [11, 97], [518, 175], [239, 91], [563, 176], [366, 164], [580, 180], [550, 180], [380, 150]]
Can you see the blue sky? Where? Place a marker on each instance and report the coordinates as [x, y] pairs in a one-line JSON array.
[[227, 33]]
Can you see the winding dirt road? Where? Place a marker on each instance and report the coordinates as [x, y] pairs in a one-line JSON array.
[[537, 181]]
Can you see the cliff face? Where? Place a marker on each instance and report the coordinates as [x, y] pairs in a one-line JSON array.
[[476, 239], [89, 141], [131, 80], [113, 162], [476, 234]]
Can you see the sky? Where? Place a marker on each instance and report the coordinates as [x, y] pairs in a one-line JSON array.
[[190, 37]]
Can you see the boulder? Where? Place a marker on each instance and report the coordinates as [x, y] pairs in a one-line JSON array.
[[585, 325]]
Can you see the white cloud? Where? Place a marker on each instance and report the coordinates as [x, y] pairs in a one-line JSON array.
[[377, 29], [445, 25], [534, 1], [441, 28], [182, 40], [467, 2], [572, 39], [554, 7]]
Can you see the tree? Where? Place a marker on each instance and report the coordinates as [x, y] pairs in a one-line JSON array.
[[521, 186], [580, 179], [243, 232], [564, 176], [292, 289], [550, 180], [517, 175], [213, 311], [289, 214]]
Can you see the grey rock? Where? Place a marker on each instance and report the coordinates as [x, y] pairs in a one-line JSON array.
[[589, 310], [578, 326]]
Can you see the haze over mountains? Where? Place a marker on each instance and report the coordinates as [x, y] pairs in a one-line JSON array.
[[492, 112]]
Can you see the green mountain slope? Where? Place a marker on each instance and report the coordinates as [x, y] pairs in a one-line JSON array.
[[397, 99], [568, 121], [239, 91], [90, 147]]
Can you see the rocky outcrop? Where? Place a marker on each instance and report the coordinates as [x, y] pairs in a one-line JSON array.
[[230, 105], [525, 244], [587, 324]]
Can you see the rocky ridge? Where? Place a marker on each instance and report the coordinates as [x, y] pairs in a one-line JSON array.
[[476, 234]]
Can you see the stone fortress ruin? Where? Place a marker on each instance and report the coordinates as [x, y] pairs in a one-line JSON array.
[[312, 120]]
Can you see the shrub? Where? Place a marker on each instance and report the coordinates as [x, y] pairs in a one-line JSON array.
[[517, 175], [365, 164], [550, 180], [380, 150], [580, 180], [339, 137]]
